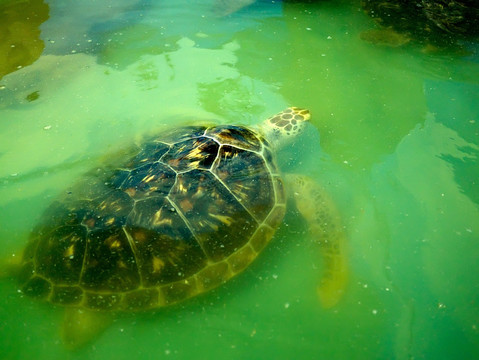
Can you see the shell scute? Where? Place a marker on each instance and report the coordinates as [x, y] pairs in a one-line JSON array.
[[152, 151], [37, 287], [180, 134], [61, 252], [66, 295], [141, 299], [239, 136], [102, 301], [220, 223], [109, 264], [149, 179], [197, 153], [175, 292], [106, 212], [245, 173], [164, 257], [213, 276]]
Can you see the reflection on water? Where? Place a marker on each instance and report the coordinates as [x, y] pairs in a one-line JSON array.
[[20, 43], [398, 153], [438, 25]]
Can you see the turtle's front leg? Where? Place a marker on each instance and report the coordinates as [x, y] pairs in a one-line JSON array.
[[317, 207]]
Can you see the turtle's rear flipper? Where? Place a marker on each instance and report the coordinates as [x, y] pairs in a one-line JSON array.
[[80, 326], [316, 206]]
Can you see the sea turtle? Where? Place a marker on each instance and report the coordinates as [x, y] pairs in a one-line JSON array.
[[179, 215]]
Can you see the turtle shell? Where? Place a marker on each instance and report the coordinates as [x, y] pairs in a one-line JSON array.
[[182, 214]]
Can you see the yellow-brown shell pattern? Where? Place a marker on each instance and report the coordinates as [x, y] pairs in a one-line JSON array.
[[186, 212]]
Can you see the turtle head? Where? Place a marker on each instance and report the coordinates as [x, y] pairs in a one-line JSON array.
[[283, 127]]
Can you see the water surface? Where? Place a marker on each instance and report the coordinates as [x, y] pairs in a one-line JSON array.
[[395, 139]]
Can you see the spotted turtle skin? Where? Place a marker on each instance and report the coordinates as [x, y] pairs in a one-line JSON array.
[[183, 213]]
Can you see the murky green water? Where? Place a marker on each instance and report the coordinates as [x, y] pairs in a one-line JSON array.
[[399, 133]]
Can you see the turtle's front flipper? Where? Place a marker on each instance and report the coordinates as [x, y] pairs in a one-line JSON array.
[[316, 206], [80, 326]]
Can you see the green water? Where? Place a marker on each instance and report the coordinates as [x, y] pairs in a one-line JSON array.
[[399, 139]]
